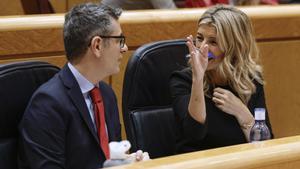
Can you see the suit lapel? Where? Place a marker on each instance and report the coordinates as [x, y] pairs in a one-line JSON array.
[[78, 99]]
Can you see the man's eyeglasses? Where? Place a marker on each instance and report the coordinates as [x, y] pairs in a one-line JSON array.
[[121, 37]]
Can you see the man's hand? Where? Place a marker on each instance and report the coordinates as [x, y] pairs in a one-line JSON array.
[[139, 156]]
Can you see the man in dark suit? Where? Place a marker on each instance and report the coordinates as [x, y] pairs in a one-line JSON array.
[[58, 129]]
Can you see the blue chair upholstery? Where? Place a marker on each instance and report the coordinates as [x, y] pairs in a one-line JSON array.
[[147, 105], [18, 81]]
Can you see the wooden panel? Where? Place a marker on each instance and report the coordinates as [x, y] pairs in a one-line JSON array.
[[59, 61], [55, 60], [281, 62], [21, 24], [72, 3], [59, 6], [154, 25], [42, 42], [44, 34], [272, 154], [283, 165], [11, 7]]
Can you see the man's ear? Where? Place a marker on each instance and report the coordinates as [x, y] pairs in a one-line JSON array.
[[96, 46]]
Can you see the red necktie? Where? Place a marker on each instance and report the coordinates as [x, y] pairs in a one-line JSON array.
[[99, 117]]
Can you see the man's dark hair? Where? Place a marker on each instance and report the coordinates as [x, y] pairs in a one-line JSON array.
[[83, 22]]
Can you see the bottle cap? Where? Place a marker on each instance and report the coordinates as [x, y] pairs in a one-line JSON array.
[[260, 113]]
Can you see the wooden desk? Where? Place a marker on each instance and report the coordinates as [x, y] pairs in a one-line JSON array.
[[281, 153]]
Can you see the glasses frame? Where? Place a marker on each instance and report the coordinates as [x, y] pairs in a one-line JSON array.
[[121, 37]]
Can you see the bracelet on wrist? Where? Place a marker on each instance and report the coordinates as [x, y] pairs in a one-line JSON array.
[[246, 126]]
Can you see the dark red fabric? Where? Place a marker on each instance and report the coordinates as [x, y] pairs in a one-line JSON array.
[[203, 3], [270, 2], [99, 116], [37, 6]]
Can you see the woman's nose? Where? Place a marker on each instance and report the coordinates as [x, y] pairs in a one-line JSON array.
[[204, 42]]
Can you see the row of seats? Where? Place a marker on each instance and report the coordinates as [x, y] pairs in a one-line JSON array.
[[147, 111]]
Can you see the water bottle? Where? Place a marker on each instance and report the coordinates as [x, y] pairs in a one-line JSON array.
[[260, 130]]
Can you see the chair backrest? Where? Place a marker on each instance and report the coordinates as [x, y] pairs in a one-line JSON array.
[[18, 81], [147, 105]]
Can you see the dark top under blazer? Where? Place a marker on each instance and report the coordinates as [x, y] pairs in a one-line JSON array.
[[57, 131], [220, 129]]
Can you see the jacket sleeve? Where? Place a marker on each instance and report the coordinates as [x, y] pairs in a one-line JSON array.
[[180, 86], [42, 134]]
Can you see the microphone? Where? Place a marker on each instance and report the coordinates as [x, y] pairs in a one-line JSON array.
[[210, 56]]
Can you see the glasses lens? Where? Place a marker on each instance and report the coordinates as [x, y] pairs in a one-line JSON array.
[[122, 42]]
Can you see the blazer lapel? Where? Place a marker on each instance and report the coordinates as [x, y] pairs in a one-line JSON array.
[[78, 99]]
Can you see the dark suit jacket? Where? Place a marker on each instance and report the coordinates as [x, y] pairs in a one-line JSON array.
[[56, 130]]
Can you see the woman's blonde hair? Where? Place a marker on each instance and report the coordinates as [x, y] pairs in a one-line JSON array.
[[235, 38]]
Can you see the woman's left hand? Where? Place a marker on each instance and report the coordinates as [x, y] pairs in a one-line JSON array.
[[226, 101]]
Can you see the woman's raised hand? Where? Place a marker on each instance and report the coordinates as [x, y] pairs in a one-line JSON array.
[[199, 58]]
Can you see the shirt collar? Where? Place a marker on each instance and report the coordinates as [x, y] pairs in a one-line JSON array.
[[84, 84]]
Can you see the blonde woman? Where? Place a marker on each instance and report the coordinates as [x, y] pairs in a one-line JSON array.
[[214, 99]]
